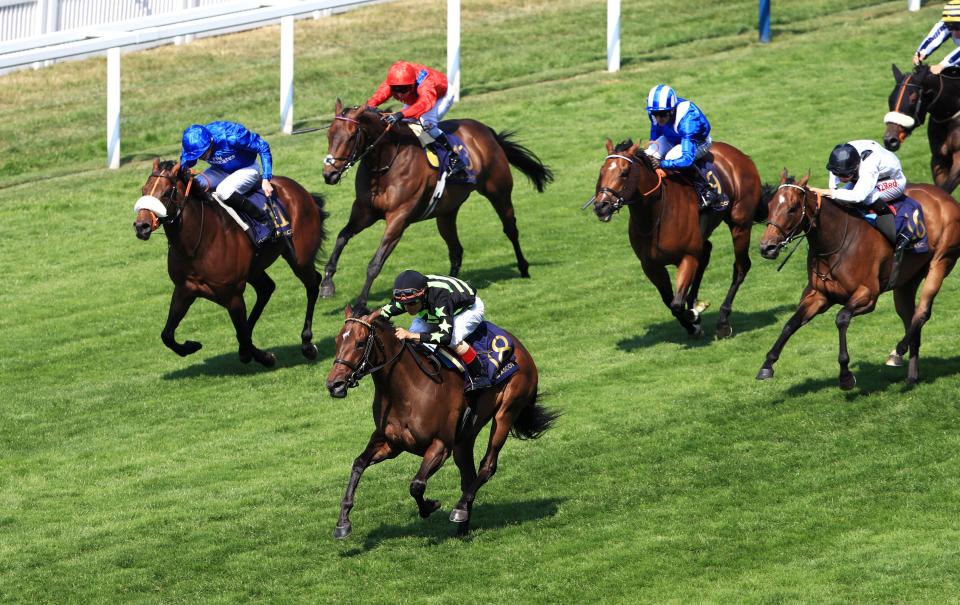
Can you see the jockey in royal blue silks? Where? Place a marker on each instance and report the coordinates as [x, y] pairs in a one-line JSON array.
[[231, 150], [679, 137]]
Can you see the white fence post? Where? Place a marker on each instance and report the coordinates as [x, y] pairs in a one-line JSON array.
[[613, 35], [286, 74], [113, 108], [453, 48], [913, 5]]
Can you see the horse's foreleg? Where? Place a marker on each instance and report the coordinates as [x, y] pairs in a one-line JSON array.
[[447, 226], [952, 178], [463, 456], [433, 458], [264, 287], [488, 466], [391, 236], [238, 314], [812, 303], [741, 266], [179, 305], [658, 275], [358, 222], [377, 450], [921, 315], [701, 268], [847, 379]]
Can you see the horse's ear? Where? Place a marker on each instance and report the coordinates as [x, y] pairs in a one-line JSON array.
[[806, 178], [784, 175], [348, 310], [156, 164], [609, 145], [897, 74], [338, 107]]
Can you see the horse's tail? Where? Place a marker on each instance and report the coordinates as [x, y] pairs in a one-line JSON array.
[[763, 208], [533, 420], [524, 160], [321, 202]]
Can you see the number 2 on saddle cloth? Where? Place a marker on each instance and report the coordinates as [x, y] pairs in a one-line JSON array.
[[279, 223]]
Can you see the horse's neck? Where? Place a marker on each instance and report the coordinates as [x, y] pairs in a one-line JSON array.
[[397, 376], [835, 229], [654, 207], [944, 95], [197, 221]]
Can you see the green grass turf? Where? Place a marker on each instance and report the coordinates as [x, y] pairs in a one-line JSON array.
[[128, 474]]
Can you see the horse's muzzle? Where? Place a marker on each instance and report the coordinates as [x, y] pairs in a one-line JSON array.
[[604, 211], [143, 230], [331, 176], [337, 388], [769, 250]]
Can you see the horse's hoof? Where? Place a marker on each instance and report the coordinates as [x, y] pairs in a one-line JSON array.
[[524, 272], [267, 359], [245, 357], [765, 374], [431, 506], [327, 289], [342, 532], [912, 380], [697, 332], [848, 382], [724, 331], [459, 515], [309, 350], [894, 359], [190, 347]]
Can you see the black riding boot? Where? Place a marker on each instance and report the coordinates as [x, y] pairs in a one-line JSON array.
[[454, 164], [477, 376], [708, 195], [242, 204], [887, 224]]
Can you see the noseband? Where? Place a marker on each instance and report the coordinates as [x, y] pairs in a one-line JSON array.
[[356, 154], [366, 365], [621, 198], [169, 196], [798, 230]]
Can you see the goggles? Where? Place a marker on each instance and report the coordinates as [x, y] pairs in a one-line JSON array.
[[407, 295], [401, 89]]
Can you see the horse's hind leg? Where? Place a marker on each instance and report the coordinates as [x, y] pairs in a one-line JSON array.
[[377, 450], [921, 315], [238, 314], [503, 204], [463, 456], [904, 301], [433, 458], [447, 226], [311, 282], [741, 266], [264, 287], [488, 466], [179, 305]]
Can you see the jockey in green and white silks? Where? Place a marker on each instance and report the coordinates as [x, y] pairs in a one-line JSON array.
[[446, 311]]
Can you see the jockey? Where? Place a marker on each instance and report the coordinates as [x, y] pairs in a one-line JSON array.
[[231, 150], [423, 92], [947, 27], [679, 137], [436, 301], [864, 174]]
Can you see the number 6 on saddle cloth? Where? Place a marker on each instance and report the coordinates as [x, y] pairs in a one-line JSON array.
[[260, 233]]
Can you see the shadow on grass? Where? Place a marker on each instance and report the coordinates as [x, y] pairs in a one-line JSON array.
[[229, 364], [438, 528], [478, 278], [671, 331], [876, 377]]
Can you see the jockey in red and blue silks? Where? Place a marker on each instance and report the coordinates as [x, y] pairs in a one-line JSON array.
[[423, 92], [947, 27], [679, 136], [231, 150]]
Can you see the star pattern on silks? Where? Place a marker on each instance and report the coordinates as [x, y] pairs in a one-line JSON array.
[[439, 312], [435, 336], [444, 326]]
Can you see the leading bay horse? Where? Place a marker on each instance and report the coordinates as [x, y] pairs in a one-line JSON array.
[[418, 406], [209, 256], [395, 182], [914, 96], [665, 223], [849, 261]]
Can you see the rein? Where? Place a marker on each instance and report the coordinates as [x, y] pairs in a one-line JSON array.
[[799, 233], [620, 197], [367, 366], [356, 155], [172, 193]]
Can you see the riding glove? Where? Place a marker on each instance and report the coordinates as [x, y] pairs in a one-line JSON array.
[[393, 118]]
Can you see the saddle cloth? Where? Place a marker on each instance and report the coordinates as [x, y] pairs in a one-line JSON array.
[[710, 175], [439, 159], [494, 347], [909, 217], [260, 233]]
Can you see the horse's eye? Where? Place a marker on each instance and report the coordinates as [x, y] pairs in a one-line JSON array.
[[792, 210], [362, 344], [624, 174]]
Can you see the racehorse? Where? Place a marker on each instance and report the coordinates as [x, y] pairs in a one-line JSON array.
[[665, 224], [418, 407], [848, 260], [914, 96], [209, 256], [396, 183]]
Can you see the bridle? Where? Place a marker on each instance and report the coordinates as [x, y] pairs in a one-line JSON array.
[[622, 197], [368, 366], [919, 113], [798, 231], [358, 151], [171, 195]]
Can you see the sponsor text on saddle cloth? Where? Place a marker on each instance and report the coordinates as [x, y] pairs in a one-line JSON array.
[[493, 346], [909, 216], [259, 233]]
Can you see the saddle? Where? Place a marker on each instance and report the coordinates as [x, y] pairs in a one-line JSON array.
[[910, 223], [439, 158], [711, 179], [494, 347], [278, 225]]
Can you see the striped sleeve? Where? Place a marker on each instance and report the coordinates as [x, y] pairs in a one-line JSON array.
[[951, 60], [934, 39]]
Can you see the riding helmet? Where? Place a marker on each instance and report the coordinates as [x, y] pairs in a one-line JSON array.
[[401, 73], [951, 12], [844, 160], [661, 98], [409, 286], [196, 141]]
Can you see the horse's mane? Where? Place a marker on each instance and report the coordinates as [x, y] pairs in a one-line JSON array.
[[624, 145]]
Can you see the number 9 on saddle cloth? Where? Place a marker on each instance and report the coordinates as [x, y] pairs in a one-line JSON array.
[[279, 221], [494, 348]]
